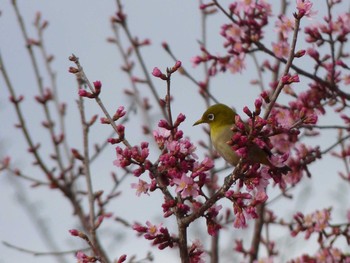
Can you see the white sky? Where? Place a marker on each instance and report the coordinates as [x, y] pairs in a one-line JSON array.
[[81, 27]]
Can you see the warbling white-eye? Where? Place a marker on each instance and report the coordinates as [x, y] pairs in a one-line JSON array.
[[221, 119]]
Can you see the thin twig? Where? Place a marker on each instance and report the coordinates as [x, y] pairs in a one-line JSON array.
[[37, 253], [39, 83], [340, 141], [128, 70], [85, 80], [23, 126], [52, 77], [91, 196], [141, 61], [192, 79], [287, 67]]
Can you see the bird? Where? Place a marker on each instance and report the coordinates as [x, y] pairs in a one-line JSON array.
[[221, 119]]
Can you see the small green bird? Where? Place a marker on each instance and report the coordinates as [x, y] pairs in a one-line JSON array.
[[221, 119]]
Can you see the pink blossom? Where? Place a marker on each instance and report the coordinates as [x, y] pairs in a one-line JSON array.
[[232, 32], [264, 179], [285, 25], [238, 64], [141, 187], [239, 221], [182, 146], [280, 49], [284, 117], [82, 257], [321, 219], [344, 22], [279, 160], [161, 135], [310, 119], [153, 229], [261, 196], [304, 8], [245, 5], [249, 5], [331, 254], [186, 186], [208, 163]]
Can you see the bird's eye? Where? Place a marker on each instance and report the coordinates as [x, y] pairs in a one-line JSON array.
[[211, 116]]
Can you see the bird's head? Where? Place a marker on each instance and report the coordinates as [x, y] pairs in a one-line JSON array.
[[217, 115]]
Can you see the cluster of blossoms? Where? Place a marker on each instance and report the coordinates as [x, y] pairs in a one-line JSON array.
[[318, 223], [159, 234], [331, 254], [248, 18], [329, 60]]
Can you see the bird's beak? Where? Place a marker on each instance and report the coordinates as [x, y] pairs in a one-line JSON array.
[[198, 122]]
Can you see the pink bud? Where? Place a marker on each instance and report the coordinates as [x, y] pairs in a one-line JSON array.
[[196, 60], [104, 120], [97, 85], [113, 140], [73, 70], [74, 232], [177, 65], [119, 113], [288, 79], [247, 111], [84, 93], [164, 124], [157, 73], [265, 96], [120, 129], [121, 259], [242, 151], [165, 46], [16, 100], [258, 104], [300, 53], [313, 53], [179, 119]]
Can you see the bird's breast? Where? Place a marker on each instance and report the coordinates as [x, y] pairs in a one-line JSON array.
[[219, 137]]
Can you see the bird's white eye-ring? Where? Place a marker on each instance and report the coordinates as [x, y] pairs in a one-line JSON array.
[[211, 116]]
